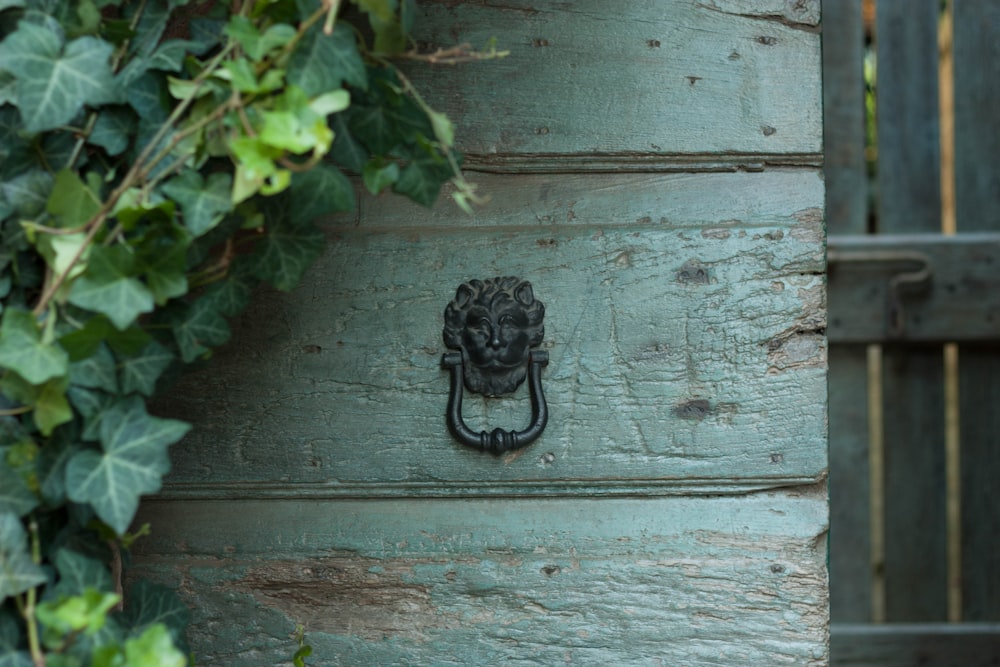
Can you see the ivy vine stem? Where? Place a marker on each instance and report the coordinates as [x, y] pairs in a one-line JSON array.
[[140, 169]]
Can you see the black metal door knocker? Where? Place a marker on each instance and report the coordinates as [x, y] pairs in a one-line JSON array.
[[494, 324]]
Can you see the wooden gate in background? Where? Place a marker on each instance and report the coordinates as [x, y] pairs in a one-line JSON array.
[[914, 325]]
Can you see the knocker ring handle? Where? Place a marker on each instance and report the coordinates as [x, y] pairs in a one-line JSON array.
[[497, 441]]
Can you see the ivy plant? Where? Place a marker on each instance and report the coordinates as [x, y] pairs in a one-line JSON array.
[[158, 161]]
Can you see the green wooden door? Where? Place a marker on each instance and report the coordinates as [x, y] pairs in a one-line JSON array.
[[654, 171]]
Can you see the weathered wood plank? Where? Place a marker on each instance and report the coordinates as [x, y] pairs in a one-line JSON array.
[[977, 200], [587, 85], [673, 581], [958, 300], [685, 337], [847, 189], [909, 201], [907, 644], [850, 522], [844, 119]]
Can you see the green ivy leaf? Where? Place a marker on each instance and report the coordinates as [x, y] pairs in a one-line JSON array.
[[286, 251], [322, 63], [53, 82], [149, 604], [71, 201], [202, 202], [255, 44], [197, 328], [318, 192], [378, 175], [231, 295], [93, 406], [162, 259], [154, 648], [133, 462], [28, 192], [140, 372], [78, 572], [11, 634], [113, 130], [421, 180], [85, 613], [52, 466], [22, 349], [346, 151], [96, 371], [83, 342], [15, 496], [51, 407], [109, 288], [17, 571]]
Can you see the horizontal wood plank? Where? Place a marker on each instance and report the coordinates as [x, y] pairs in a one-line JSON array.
[[588, 85], [909, 644], [962, 286], [673, 581], [685, 333]]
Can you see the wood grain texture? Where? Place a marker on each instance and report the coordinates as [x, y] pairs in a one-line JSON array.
[[847, 192], [667, 581], [586, 81], [684, 319], [913, 379], [977, 199], [909, 644]]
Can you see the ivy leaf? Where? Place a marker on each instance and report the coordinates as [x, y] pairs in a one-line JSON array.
[[169, 55], [149, 604], [346, 150], [96, 371], [203, 203], [108, 287], [93, 406], [421, 180], [197, 328], [320, 191], [17, 571], [322, 63], [22, 349], [378, 175], [153, 648], [78, 573], [51, 406], [15, 496], [230, 296], [71, 201], [53, 82], [10, 641], [28, 192], [162, 259], [84, 342], [52, 466], [255, 44], [114, 127], [85, 613], [286, 251], [133, 462], [140, 372]]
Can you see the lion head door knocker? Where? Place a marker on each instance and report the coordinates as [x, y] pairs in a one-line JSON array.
[[494, 324]]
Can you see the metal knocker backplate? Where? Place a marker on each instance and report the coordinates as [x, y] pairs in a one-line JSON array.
[[493, 326]]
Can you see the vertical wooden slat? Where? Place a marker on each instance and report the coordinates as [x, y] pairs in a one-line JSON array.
[[977, 200], [909, 201], [846, 213]]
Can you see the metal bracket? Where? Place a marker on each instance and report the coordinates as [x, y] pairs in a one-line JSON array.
[[910, 279]]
